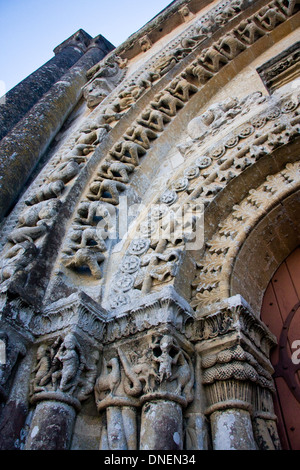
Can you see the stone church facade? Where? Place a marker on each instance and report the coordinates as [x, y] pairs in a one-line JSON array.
[[150, 269]]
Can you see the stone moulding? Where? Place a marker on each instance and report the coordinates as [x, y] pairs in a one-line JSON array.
[[281, 69], [162, 308], [78, 310], [231, 318], [56, 396]]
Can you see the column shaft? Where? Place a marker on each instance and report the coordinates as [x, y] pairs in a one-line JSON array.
[[161, 426], [51, 426]]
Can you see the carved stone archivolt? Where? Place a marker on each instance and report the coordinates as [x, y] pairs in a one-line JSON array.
[[140, 323], [140, 135]]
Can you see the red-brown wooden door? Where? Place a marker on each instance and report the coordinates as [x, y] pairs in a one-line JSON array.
[[281, 313]]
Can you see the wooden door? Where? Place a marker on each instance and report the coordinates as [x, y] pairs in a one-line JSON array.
[[281, 313]]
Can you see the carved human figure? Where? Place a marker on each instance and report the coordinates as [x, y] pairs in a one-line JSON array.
[[117, 171], [197, 70], [164, 271], [249, 31], [106, 191], [84, 249], [90, 135], [167, 103], [65, 171], [71, 363], [182, 88], [42, 371], [22, 234], [128, 152], [289, 6], [153, 119], [140, 135], [173, 365], [17, 258], [87, 380], [212, 59], [269, 16], [88, 211], [213, 118], [47, 191], [44, 210], [230, 46]]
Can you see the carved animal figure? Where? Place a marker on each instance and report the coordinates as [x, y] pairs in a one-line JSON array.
[[30, 234], [139, 376], [109, 379]]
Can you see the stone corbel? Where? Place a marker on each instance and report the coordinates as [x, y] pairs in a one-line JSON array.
[[234, 346], [185, 13], [145, 43]]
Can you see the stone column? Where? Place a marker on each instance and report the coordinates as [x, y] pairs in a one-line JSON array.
[[147, 370], [22, 148], [161, 426], [234, 348], [51, 427], [118, 410], [14, 413], [232, 430]]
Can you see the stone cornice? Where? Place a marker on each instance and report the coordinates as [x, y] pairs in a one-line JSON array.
[[165, 307]]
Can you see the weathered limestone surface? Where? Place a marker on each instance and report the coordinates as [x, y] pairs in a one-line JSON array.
[[20, 99], [21, 149], [134, 265]]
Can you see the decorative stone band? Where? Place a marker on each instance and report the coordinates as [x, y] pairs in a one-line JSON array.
[[78, 310], [165, 307], [232, 315], [117, 401], [56, 396]]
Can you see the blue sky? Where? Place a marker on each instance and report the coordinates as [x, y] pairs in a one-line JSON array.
[[31, 29]]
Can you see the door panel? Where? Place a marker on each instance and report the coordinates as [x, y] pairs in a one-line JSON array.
[[281, 313]]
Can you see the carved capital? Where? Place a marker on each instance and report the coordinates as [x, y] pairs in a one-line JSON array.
[[65, 370], [77, 312], [157, 365], [234, 346]]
